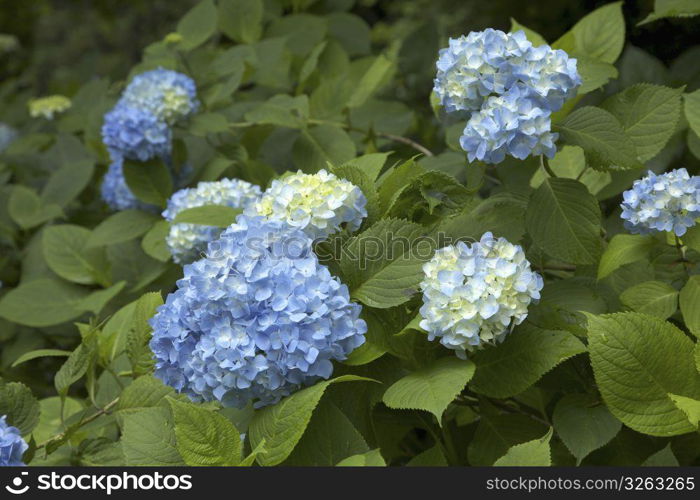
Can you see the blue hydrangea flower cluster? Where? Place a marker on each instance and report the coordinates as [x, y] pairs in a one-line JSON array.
[[474, 294], [12, 446], [485, 71], [139, 127], [255, 320], [7, 135], [135, 133], [319, 204], [667, 202], [167, 94], [187, 242]]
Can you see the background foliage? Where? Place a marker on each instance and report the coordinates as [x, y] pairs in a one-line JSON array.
[[605, 371]]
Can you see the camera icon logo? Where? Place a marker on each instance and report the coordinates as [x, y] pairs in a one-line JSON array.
[[16, 488]]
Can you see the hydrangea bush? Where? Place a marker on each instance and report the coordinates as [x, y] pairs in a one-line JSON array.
[[262, 210]]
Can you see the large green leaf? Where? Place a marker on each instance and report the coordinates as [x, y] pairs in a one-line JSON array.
[[521, 360], [43, 302], [320, 145], [637, 361], [122, 226], [563, 219], [690, 304], [19, 405], [496, 434], [330, 438], [624, 249], [205, 437], [151, 182], [28, 210], [139, 334], [600, 34], [148, 438], [208, 215], [282, 425], [66, 255], [672, 8], [584, 424], [372, 458], [600, 134], [431, 388], [198, 24], [241, 20], [692, 110], [655, 298], [281, 110], [535, 453], [66, 183], [144, 392], [371, 81], [648, 115], [383, 265]]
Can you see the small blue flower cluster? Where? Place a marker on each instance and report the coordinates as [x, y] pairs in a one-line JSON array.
[[188, 241], [473, 294], [139, 127], [510, 88], [12, 446], [7, 135], [667, 202], [255, 320]]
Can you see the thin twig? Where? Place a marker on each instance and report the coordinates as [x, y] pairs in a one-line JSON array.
[[545, 165], [91, 418]]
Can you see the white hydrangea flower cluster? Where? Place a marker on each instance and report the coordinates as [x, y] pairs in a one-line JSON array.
[[187, 242], [318, 204], [473, 294]]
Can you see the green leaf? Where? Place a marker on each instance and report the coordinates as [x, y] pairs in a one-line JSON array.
[[148, 438], [563, 219], [689, 406], [281, 110], [198, 24], [431, 388], [371, 81], [202, 124], [637, 361], [241, 20], [208, 215], [371, 164], [320, 145], [654, 298], [43, 302], [648, 115], [521, 360], [139, 335], [27, 210], [283, 424], [74, 368], [690, 304], [384, 264], [692, 110], [360, 179], [584, 424], [144, 392], [372, 458], [594, 74], [662, 458], [672, 8], [536, 453], [153, 243], [570, 163], [39, 353], [66, 183], [151, 182], [122, 226], [602, 138], [496, 434], [20, 406], [431, 457], [329, 438], [535, 38], [624, 249], [96, 301], [600, 34], [65, 253], [204, 437]]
